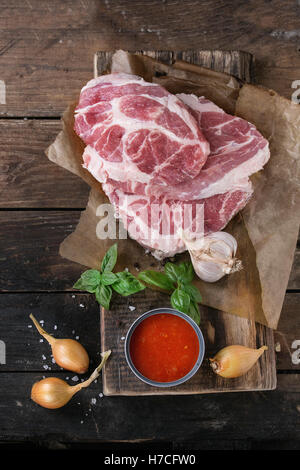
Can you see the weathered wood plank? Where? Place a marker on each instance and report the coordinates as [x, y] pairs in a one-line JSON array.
[[118, 380], [29, 251], [218, 329], [256, 416], [29, 36], [234, 63], [294, 281], [287, 337], [63, 315], [47, 48], [27, 177], [80, 312]]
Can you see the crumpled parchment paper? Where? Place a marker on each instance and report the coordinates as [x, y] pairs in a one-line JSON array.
[[266, 230]]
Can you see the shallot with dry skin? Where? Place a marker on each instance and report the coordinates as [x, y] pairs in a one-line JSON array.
[[54, 393], [67, 353], [234, 361]]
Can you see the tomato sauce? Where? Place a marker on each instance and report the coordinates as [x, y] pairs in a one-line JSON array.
[[164, 347]]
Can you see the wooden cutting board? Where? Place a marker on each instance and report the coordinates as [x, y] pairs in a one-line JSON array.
[[219, 329]]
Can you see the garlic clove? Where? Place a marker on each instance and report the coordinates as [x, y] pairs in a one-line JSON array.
[[235, 360], [226, 240], [207, 271]]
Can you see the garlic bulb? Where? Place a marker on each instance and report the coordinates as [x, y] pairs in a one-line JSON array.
[[213, 255], [234, 361]]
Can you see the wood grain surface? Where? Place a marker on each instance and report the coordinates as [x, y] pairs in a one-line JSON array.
[[218, 329], [80, 312], [47, 48], [260, 416], [46, 55]]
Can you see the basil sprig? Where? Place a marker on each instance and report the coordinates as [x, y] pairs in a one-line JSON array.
[[177, 279], [103, 282]]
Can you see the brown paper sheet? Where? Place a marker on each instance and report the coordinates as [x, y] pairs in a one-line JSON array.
[[272, 217], [266, 230]]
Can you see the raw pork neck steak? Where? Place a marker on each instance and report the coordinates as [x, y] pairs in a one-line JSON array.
[[154, 222], [138, 131], [237, 150], [165, 162]]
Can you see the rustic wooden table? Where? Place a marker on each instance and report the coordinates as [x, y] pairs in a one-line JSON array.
[[46, 54]]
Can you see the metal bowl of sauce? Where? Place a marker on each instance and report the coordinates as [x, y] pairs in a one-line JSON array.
[[164, 347]]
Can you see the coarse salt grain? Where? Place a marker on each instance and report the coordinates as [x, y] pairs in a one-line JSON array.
[[55, 327], [278, 347], [75, 378], [93, 401], [131, 308], [29, 326]]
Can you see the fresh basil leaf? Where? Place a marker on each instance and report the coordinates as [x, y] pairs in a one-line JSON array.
[[158, 279], [88, 281], [103, 295], [187, 272], [194, 312], [110, 259], [193, 292], [108, 278], [127, 284], [180, 300], [171, 271], [180, 273]]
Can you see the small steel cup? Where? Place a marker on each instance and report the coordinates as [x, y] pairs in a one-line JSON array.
[[195, 327]]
